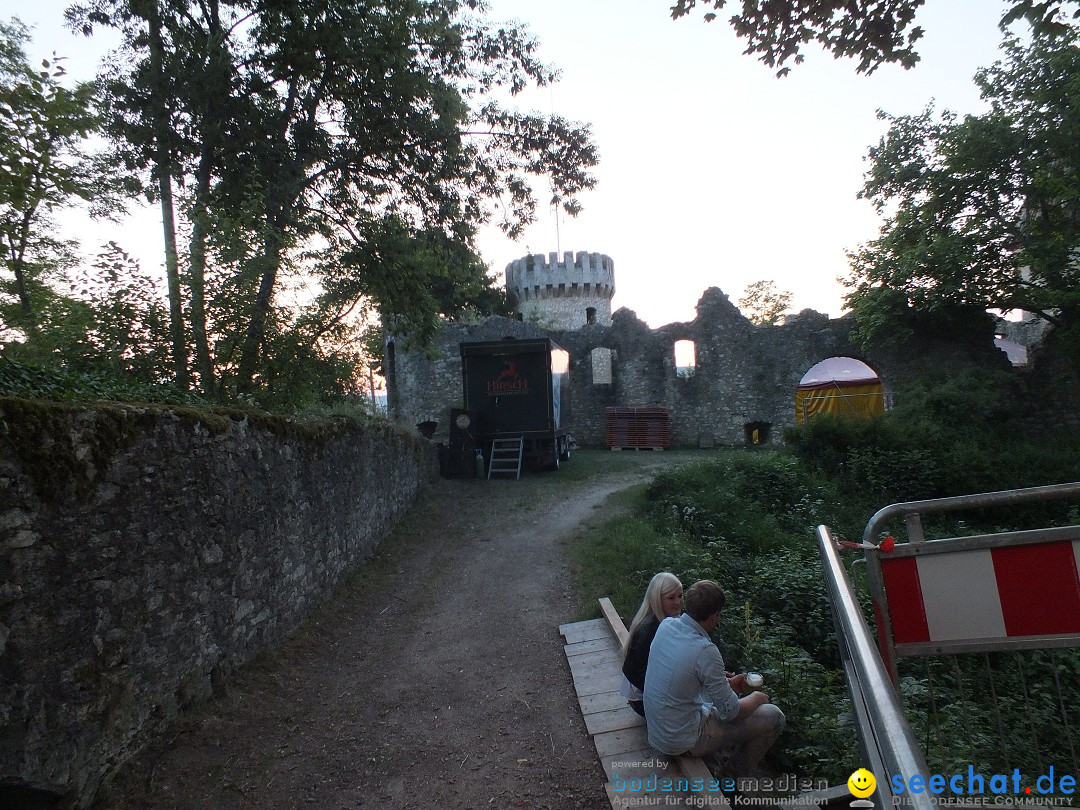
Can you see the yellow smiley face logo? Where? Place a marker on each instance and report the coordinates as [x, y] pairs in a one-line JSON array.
[[861, 783]]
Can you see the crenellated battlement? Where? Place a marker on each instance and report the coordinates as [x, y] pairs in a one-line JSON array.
[[594, 268], [563, 292]]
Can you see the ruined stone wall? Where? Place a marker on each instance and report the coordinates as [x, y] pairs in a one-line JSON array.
[[145, 553], [746, 375]]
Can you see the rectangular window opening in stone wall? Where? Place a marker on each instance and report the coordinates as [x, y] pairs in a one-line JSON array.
[[601, 366], [685, 358]]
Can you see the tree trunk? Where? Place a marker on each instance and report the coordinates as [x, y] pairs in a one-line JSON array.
[[172, 276], [217, 73], [256, 330], [17, 267], [168, 222], [197, 264]]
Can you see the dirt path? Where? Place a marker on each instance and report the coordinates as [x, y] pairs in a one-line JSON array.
[[436, 680]]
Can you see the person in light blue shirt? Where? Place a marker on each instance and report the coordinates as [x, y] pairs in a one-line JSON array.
[[692, 703]]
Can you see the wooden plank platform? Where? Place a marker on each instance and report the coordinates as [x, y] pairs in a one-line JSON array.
[[638, 776]]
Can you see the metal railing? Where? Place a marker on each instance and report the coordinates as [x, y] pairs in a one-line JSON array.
[[887, 741], [912, 511]]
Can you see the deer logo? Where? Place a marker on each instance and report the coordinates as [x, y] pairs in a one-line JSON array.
[[508, 381]]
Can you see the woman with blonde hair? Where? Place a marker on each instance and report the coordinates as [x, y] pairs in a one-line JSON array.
[[663, 598]]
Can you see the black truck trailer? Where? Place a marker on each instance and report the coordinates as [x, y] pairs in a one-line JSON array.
[[519, 389]]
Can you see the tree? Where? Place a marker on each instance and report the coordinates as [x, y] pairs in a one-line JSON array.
[[982, 212], [412, 280], [306, 125], [169, 100], [876, 32], [44, 167], [763, 304], [126, 327]]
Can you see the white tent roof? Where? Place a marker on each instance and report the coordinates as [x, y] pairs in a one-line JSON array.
[[838, 369]]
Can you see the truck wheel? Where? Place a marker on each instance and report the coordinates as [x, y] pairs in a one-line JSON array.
[[564, 453], [553, 456]]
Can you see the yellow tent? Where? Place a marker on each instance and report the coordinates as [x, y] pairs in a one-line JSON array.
[[840, 385]]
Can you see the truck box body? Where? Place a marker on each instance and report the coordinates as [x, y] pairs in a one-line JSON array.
[[519, 388]]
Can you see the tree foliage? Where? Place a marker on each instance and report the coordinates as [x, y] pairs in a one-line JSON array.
[[45, 167], [980, 212], [877, 32], [316, 139], [763, 303]]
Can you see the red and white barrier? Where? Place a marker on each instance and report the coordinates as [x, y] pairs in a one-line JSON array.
[[981, 595]]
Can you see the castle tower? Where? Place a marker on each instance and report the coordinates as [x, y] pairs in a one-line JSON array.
[[565, 294]]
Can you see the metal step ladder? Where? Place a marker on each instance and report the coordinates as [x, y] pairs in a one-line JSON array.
[[506, 457]]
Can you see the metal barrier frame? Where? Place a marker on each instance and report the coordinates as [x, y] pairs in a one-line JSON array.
[[912, 512]]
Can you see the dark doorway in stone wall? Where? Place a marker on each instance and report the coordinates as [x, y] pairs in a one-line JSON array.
[[757, 433], [590, 315]]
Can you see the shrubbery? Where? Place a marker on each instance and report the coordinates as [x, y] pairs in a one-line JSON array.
[[954, 436], [30, 382], [64, 385], [746, 519]]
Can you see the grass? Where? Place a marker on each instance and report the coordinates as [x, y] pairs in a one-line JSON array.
[[588, 463], [610, 558]]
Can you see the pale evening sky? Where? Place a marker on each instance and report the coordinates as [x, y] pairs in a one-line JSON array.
[[712, 171]]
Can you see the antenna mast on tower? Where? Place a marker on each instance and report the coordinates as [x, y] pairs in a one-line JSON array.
[[558, 238]]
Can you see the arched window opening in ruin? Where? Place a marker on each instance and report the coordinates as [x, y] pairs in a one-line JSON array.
[[590, 315], [757, 433], [685, 358], [601, 366]]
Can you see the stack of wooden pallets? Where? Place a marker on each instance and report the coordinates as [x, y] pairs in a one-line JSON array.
[[637, 428]]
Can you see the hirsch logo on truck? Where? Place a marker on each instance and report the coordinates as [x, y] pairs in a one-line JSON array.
[[508, 381]]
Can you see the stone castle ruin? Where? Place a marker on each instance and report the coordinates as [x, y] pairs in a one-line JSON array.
[[739, 389], [564, 295]]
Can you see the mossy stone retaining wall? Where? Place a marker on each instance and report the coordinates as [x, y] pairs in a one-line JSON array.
[[144, 553]]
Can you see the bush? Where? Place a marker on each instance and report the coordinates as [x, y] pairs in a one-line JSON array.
[[746, 520], [753, 501], [30, 382], [951, 436]]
